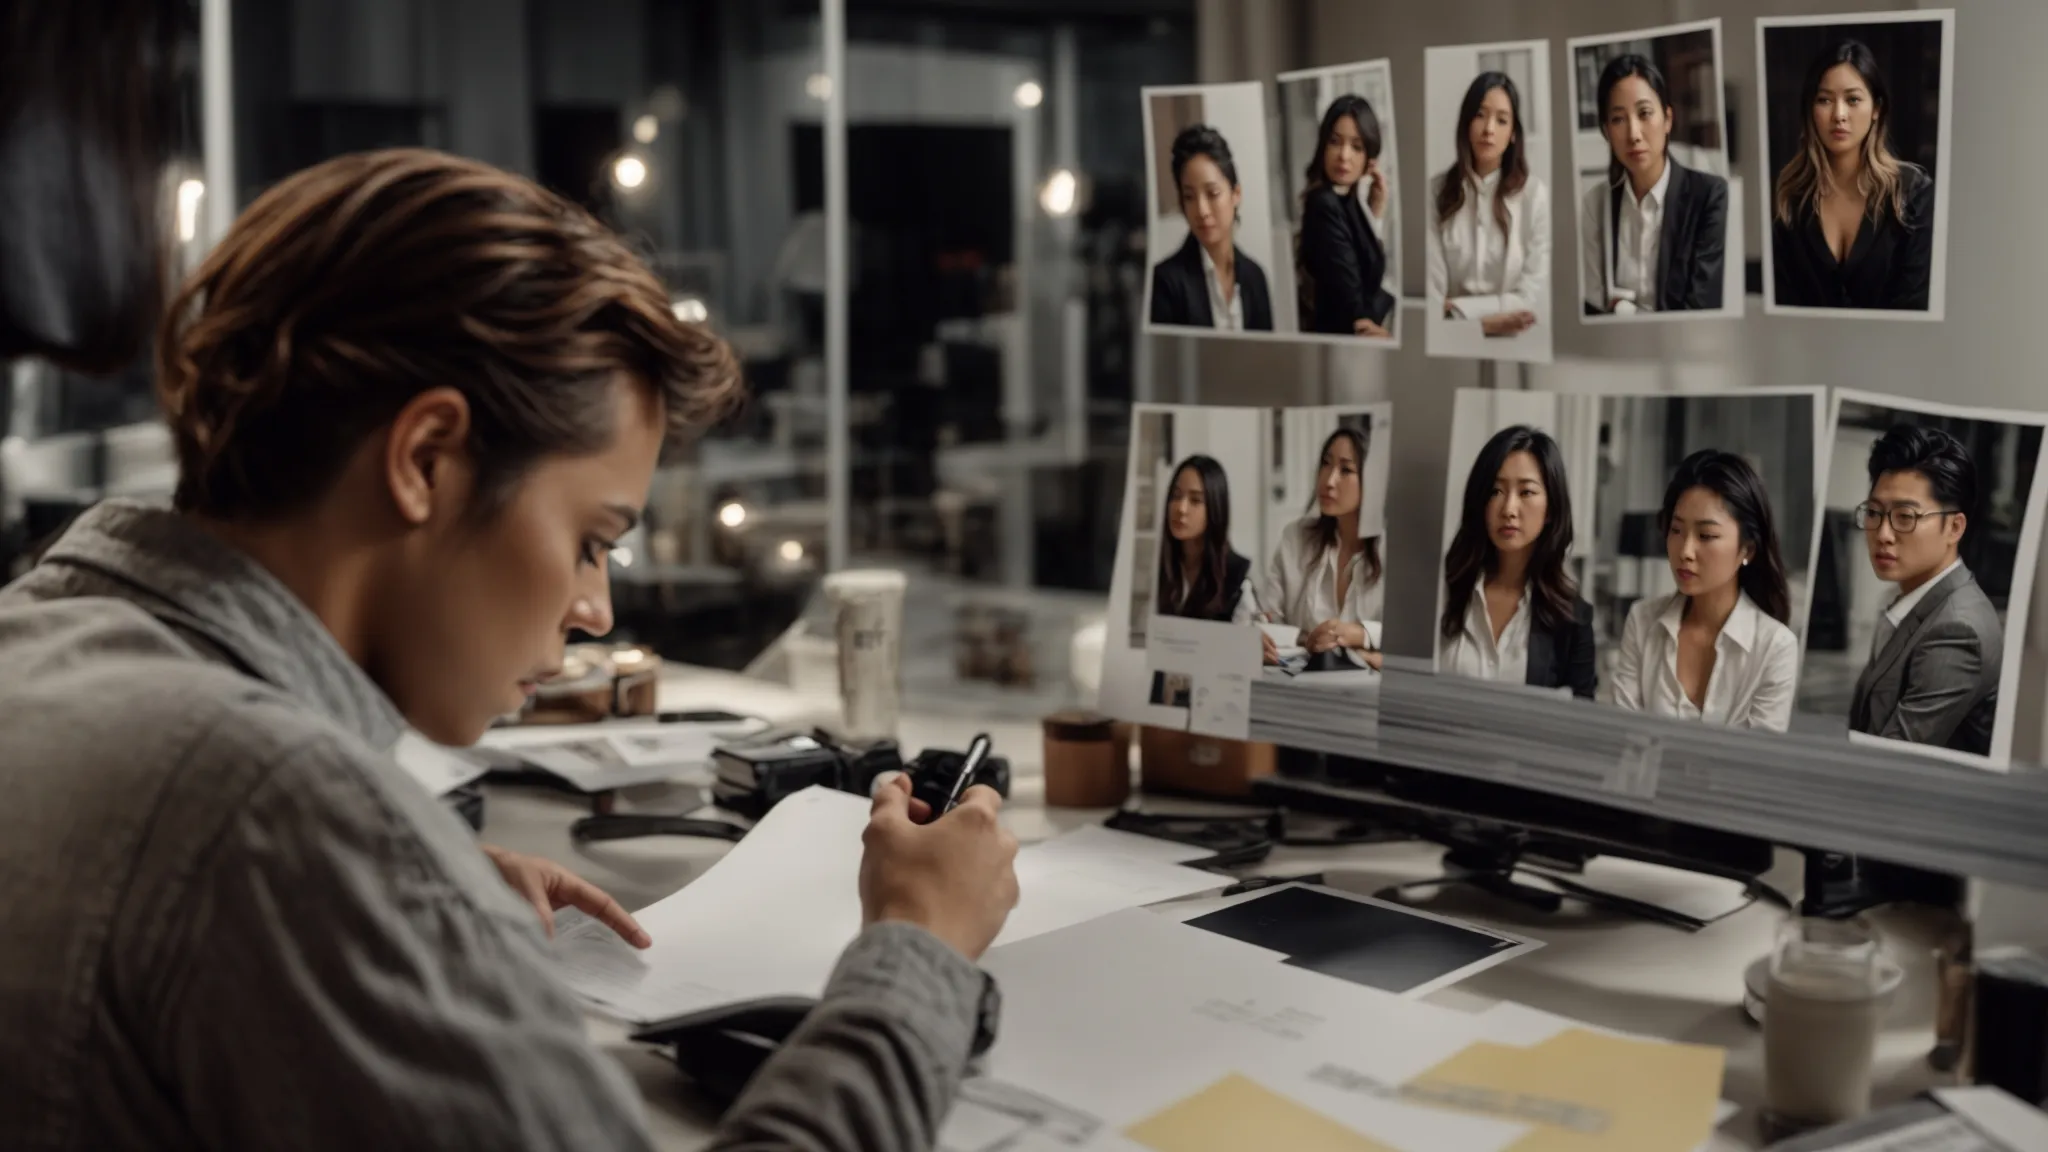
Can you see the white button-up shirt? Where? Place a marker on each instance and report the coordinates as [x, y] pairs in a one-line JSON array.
[[1903, 607], [1228, 315], [1755, 676], [1476, 655], [1638, 245], [1483, 269], [1300, 585]]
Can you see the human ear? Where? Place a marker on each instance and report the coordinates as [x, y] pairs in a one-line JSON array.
[[426, 454]]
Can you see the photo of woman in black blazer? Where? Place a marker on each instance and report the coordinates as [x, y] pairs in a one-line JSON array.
[[1852, 224], [1511, 611], [1654, 237], [1339, 258], [1210, 282], [1200, 576]]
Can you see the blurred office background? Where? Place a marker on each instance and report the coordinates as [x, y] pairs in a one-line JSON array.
[[994, 185]]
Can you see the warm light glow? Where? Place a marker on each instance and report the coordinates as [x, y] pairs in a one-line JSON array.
[[792, 551], [189, 194], [733, 515], [628, 656], [818, 86], [1059, 193], [1029, 94], [629, 172], [646, 128], [691, 310]]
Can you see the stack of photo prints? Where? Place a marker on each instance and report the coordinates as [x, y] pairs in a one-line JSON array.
[[1782, 560]]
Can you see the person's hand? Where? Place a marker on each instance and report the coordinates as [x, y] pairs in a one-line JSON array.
[[1364, 327], [1334, 634], [955, 877], [548, 886], [1376, 191], [1507, 323], [1375, 660], [1269, 650]]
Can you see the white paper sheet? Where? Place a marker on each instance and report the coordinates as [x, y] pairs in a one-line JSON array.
[[1126, 1014], [619, 753], [771, 918], [439, 770], [1999, 1115]]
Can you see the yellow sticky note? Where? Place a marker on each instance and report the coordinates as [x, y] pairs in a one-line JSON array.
[[1235, 1114], [1584, 1091]]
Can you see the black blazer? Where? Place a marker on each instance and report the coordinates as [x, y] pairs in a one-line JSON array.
[[1180, 292], [1563, 657], [1889, 265], [1236, 569], [1345, 263], [1692, 246]]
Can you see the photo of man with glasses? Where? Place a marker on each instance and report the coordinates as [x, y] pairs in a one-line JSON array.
[[1934, 665]]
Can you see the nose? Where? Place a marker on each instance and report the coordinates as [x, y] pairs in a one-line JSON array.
[[591, 614], [1885, 535]]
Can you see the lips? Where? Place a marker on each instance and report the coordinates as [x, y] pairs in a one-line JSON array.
[[1686, 575]]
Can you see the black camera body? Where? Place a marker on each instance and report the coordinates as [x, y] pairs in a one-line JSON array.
[[756, 775]]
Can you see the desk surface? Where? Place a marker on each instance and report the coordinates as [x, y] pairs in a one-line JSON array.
[[1606, 970]]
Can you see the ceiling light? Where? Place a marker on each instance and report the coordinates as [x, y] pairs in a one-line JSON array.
[[733, 515], [189, 194], [623, 557], [646, 128], [691, 310], [629, 172], [792, 551], [818, 86], [1060, 192], [1029, 94]]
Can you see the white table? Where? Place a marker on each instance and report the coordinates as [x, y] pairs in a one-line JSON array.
[[1609, 971]]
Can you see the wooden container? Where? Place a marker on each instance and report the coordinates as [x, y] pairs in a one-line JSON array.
[[1181, 763], [1086, 766]]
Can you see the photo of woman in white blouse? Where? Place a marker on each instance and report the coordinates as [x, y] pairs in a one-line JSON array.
[[1489, 235], [1720, 649], [1323, 580]]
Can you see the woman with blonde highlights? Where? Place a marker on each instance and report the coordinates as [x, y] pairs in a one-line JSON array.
[[1852, 225]]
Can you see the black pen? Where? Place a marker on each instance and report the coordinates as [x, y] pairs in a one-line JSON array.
[[977, 751]]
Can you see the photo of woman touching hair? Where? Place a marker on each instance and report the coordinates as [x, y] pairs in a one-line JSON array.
[[1720, 649], [1654, 237], [1340, 251], [1200, 577], [1210, 282], [1511, 611], [1323, 579], [1489, 234], [1852, 223]]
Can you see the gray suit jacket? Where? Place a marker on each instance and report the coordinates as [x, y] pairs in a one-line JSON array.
[[1936, 682]]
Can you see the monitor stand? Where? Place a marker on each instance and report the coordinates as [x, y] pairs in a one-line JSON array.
[[1492, 868]]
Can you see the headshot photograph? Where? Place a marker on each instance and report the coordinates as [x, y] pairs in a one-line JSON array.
[[1336, 169], [1193, 537], [1704, 538], [1487, 235], [1656, 232], [1926, 568], [1321, 586], [1854, 119], [1511, 602], [1214, 265]]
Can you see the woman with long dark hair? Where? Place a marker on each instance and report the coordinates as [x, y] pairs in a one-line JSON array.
[[1489, 236], [1511, 611], [1324, 580], [1199, 575], [1720, 649], [1654, 237], [1852, 225], [1340, 258], [1209, 282]]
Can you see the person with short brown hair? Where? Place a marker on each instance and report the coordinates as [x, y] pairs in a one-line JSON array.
[[415, 400]]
